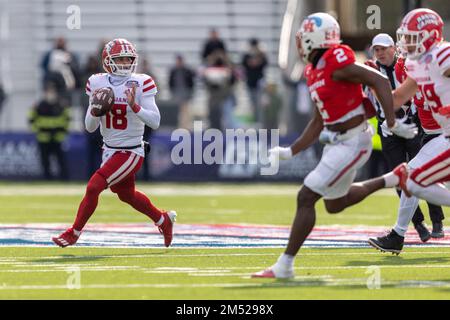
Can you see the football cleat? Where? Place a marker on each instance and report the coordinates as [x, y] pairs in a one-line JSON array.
[[401, 171], [166, 228], [438, 230], [275, 272], [392, 242], [67, 238], [423, 232]]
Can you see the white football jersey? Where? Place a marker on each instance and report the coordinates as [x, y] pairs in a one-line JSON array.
[[120, 127], [428, 72]]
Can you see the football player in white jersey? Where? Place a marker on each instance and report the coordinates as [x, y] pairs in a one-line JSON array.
[[428, 69], [122, 129]]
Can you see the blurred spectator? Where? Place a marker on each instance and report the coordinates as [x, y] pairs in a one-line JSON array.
[[212, 45], [2, 97], [94, 140], [219, 78], [254, 62], [49, 119], [271, 104], [181, 84], [61, 68]]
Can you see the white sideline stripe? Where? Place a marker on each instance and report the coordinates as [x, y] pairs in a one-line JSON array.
[[122, 168], [124, 175], [256, 283], [221, 254], [218, 270], [171, 190]]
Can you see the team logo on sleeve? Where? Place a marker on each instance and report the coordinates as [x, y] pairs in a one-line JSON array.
[[132, 83]]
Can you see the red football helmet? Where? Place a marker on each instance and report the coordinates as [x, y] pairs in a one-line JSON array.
[[420, 30], [119, 48]]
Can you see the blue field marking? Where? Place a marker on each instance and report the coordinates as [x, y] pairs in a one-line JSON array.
[[199, 235]]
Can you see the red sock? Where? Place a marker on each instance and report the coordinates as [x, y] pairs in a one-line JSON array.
[[141, 203], [87, 206]]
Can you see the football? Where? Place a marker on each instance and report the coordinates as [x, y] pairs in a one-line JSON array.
[[102, 101]]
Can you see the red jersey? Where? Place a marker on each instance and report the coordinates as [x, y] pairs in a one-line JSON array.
[[426, 118], [334, 99]]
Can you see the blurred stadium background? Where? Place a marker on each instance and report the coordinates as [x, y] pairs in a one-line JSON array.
[[161, 30]]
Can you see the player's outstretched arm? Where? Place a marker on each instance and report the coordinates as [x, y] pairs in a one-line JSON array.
[[359, 73], [404, 93], [310, 135]]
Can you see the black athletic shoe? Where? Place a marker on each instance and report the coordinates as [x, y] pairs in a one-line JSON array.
[[391, 242], [423, 232], [438, 230]]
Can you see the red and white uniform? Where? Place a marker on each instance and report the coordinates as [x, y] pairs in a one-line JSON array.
[[337, 102], [435, 89], [122, 127], [428, 73], [427, 121]]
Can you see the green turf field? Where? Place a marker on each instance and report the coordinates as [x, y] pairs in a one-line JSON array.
[[212, 273]]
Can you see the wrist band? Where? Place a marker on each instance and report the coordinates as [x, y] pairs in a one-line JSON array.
[[136, 108]]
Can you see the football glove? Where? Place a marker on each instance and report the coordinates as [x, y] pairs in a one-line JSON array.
[[280, 153], [401, 129]]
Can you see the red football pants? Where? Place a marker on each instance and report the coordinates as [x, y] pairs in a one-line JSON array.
[[119, 174]]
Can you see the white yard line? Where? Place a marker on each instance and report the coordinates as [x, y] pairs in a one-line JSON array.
[[167, 190], [297, 282], [138, 256]]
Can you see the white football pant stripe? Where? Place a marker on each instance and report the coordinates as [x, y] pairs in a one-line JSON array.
[[122, 168], [125, 174]]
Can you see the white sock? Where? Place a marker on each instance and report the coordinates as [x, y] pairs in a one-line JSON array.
[[390, 180], [286, 260], [436, 194], [406, 210], [160, 222], [77, 233]]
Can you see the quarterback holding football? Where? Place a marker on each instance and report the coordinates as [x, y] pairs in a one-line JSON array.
[[122, 102]]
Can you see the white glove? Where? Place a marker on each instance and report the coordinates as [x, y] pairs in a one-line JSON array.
[[385, 130], [401, 129], [278, 153]]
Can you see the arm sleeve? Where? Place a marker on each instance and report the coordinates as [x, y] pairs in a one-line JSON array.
[[149, 112], [443, 59], [90, 122]]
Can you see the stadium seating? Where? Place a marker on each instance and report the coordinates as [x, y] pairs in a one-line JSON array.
[[159, 28]]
